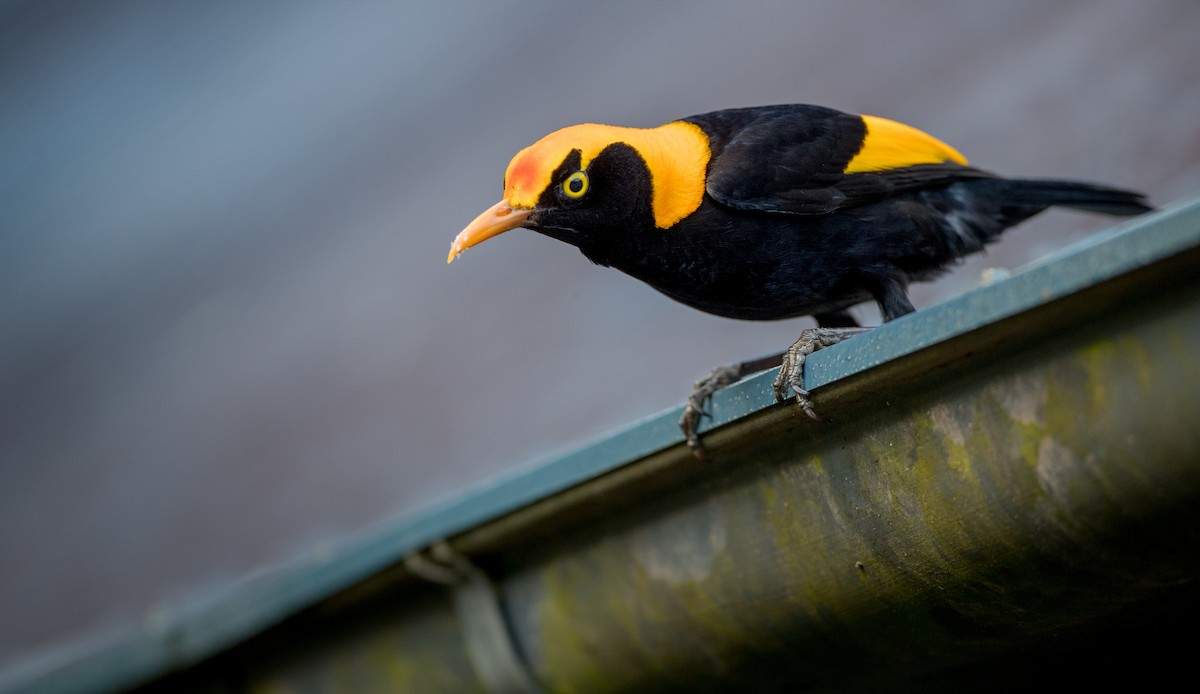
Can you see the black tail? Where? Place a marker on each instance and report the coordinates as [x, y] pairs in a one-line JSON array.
[[978, 210], [1073, 194]]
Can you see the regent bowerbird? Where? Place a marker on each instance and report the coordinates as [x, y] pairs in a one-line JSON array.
[[772, 212]]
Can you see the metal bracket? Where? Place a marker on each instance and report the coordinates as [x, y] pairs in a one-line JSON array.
[[486, 633]]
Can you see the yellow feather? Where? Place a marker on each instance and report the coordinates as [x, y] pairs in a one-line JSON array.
[[676, 155], [892, 145]]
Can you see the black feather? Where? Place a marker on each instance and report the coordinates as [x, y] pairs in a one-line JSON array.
[[783, 232]]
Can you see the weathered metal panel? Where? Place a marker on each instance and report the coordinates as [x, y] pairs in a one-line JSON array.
[[1042, 493], [1045, 493]]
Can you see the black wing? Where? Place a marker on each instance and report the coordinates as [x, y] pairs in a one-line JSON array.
[[792, 159]]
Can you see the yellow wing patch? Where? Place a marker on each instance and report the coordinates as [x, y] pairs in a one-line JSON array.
[[892, 145], [676, 154]]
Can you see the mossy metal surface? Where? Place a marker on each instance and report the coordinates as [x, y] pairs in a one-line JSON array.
[[1043, 494], [986, 508]]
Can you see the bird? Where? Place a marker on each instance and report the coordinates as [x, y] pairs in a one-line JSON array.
[[772, 212]]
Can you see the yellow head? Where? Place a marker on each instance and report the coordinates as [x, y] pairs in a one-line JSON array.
[[676, 156]]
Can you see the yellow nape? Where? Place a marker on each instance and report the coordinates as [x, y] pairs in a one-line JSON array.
[[892, 145], [676, 154]]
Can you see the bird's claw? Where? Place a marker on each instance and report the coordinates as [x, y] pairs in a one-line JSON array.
[[790, 379], [698, 401], [789, 382]]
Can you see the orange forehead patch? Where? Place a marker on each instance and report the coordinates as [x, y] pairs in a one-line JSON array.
[[676, 155], [523, 177]]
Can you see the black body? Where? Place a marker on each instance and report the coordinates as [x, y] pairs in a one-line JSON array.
[[783, 232]]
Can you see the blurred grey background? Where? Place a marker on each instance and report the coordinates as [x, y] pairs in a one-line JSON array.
[[228, 333]]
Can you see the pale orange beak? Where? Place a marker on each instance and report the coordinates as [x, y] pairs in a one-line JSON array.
[[495, 220]]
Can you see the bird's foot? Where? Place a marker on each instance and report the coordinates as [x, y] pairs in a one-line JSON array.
[[790, 380], [698, 401], [702, 393]]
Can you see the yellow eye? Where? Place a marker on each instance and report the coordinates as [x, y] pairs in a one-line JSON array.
[[576, 185]]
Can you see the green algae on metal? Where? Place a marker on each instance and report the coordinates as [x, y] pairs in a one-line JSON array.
[[974, 512]]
